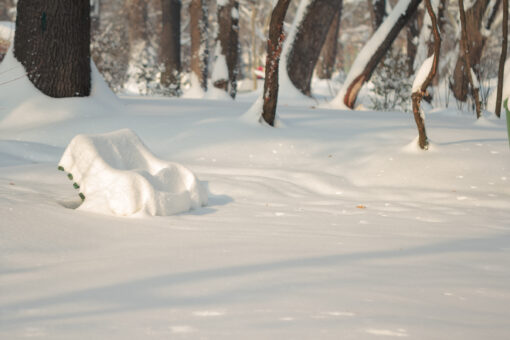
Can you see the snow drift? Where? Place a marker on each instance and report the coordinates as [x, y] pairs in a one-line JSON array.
[[23, 105], [118, 175]]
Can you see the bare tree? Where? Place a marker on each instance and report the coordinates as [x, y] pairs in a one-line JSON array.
[[198, 10], [170, 49], [327, 58], [57, 60], [473, 18], [374, 51], [421, 89], [502, 59], [274, 50], [308, 42], [228, 38], [466, 44]]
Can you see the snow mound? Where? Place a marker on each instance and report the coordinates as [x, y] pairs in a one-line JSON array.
[[24, 106], [118, 175]]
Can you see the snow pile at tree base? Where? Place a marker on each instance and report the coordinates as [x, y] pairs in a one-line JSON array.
[[24, 106], [118, 175]]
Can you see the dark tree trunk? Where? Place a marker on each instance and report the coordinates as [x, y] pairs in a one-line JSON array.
[[327, 58], [493, 14], [465, 45], [473, 24], [377, 10], [274, 50], [418, 95], [170, 49], [412, 35], [502, 59], [199, 49], [52, 41], [351, 88], [228, 36], [308, 42]]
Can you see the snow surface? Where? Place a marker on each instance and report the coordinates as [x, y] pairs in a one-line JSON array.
[[23, 105], [422, 74], [118, 175], [368, 51], [335, 226]]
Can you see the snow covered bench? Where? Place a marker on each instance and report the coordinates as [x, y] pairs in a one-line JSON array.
[[117, 174]]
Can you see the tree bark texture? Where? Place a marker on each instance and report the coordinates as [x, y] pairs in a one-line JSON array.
[[327, 58], [199, 23], [353, 88], [377, 10], [418, 96], [473, 18], [52, 41], [274, 51], [308, 42], [465, 46], [228, 37], [170, 48], [502, 59]]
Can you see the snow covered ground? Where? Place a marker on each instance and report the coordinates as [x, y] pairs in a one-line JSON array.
[[332, 226]]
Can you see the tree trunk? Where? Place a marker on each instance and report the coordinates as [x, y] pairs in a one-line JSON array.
[[473, 23], [137, 17], [228, 37], [412, 35], [52, 41], [199, 24], [376, 48], [308, 42], [377, 10], [274, 50], [419, 94], [501, 71], [326, 64], [170, 48], [465, 46]]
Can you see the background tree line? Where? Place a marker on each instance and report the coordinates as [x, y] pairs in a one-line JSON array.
[[157, 47]]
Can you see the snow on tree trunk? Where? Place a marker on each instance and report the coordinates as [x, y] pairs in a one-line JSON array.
[[373, 51], [274, 50], [473, 18], [228, 38], [170, 49], [198, 10], [52, 42], [424, 78], [466, 44], [309, 39], [501, 70], [327, 58]]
